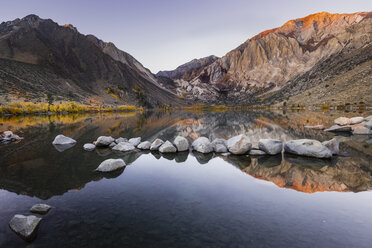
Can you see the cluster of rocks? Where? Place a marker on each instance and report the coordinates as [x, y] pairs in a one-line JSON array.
[[9, 136], [356, 125], [26, 226]]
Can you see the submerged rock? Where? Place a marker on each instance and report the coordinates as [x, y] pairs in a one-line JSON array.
[[337, 128], [307, 147], [135, 141], [89, 147], [240, 144], [270, 146], [342, 121], [111, 165], [40, 208], [181, 143], [203, 145], [25, 226], [332, 145], [124, 147], [104, 141], [156, 144], [167, 147], [144, 145], [63, 140]]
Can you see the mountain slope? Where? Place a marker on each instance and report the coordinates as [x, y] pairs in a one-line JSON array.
[[39, 57]]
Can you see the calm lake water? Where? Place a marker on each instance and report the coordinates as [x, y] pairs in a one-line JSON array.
[[186, 199]]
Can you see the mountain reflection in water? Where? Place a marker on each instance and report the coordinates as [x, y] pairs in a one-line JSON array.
[[34, 167]]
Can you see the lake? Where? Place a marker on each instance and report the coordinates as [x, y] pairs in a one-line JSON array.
[[186, 199]]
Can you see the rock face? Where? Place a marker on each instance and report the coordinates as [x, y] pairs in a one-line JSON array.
[[181, 143], [167, 147], [202, 145], [342, 121], [307, 147], [135, 141], [124, 147], [25, 226], [270, 146], [337, 128], [63, 140], [111, 165], [156, 144], [89, 147], [40, 208], [240, 144], [144, 145], [332, 145], [104, 141]]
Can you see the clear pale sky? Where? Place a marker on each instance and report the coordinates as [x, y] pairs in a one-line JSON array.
[[163, 34]]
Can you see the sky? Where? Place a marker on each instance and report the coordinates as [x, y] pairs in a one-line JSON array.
[[163, 34]]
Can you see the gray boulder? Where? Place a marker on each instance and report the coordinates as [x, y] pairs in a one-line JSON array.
[[337, 128], [118, 140], [270, 146], [111, 165], [255, 152], [113, 144], [167, 147], [144, 145], [307, 147], [361, 129], [368, 118], [124, 147], [356, 120], [156, 144], [63, 140], [220, 148], [240, 144], [89, 147], [25, 226], [40, 208], [135, 141], [181, 143], [202, 145], [104, 141], [342, 121], [332, 145], [368, 124]]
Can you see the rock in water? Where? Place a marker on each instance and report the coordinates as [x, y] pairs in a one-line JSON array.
[[124, 147], [111, 165], [63, 140], [356, 120], [307, 147], [25, 226], [135, 141], [203, 145], [332, 145], [342, 121], [167, 147], [104, 141], [156, 144], [317, 127], [361, 129], [40, 208], [144, 145], [256, 152], [219, 145], [239, 144], [89, 147], [118, 140], [337, 128], [270, 146], [181, 143], [368, 124]]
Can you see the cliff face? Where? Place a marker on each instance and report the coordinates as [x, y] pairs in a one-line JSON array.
[[270, 60], [39, 57]]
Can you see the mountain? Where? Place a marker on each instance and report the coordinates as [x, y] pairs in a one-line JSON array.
[[38, 57], [283, 57]]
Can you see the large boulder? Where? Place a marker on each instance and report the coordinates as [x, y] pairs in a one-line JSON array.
[[368, 124], [203, 145], [337, 128], [156, 144], [111, 165], [342, 121], [219, 145], [135, 141], [25, 226], [89, 147], [124, 147], [270, 146], [181, 143], [240, 144], [144, 145], [40, 208], [307, 147], [167, 147], [104, 141], [63, 140], [356, 120], [361, 129], [332, 145]]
